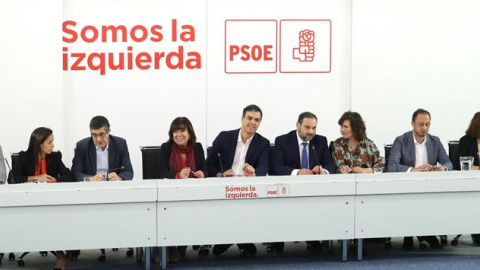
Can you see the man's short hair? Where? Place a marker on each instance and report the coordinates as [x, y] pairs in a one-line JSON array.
[[306, 115], [252, 108], [99, 122], [420, 111]]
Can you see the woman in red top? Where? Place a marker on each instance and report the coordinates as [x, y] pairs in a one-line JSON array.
[[40, 164]]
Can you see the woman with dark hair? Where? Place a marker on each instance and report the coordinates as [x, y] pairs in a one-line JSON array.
[[468, 146], [40, 164], [181, 157], [469, 143], [354, 152]]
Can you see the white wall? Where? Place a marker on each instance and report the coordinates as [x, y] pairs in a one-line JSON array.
[[415, 54], [388, 58], [31, 93]]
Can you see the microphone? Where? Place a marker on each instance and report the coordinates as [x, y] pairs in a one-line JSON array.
[[10, 174], [221, 164], [116, 169], [315, 155]]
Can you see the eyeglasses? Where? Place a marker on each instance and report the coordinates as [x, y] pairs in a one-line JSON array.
[[101, 135]]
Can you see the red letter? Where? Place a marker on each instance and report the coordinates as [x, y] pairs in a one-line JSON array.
[[195, 62], [234, 50], [146, 59], [256, 56], [101, 65], [156, 34], [114, 30], [179, 57], [245, 52], [69, 31], [267, 51], [84, 35], [134, 30], [65, 58]]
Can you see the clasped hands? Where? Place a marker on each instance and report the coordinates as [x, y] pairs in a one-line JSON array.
[[41, 178], [113, 176], [357, 169], [185, 172], [316, 170], [428, 168], [248, 171]]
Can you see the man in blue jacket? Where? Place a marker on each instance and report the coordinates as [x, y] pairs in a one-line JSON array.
[[418, 151], [101, 156], [240, 152]]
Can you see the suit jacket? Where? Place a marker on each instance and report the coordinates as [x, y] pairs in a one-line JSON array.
[[466, 147], [402, 154], [226, 143], [85, 160], [25, 167], [286, 156], [166, 150]]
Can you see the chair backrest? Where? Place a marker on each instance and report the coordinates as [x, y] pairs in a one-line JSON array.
[[331, 148], [208, 150], [453, 152], [3, 170], [150, 162], [271, 151], [15, 160], [388, 147]]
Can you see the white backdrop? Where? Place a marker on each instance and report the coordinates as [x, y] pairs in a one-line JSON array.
[[388, 58]]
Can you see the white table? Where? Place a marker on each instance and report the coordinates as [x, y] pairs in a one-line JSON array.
[[63, 216], [203, 211], [409, 204]]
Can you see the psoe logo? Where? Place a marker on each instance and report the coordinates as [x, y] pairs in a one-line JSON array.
[[306, 46], [303, 46]]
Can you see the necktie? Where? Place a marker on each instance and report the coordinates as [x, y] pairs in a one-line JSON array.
[[304, 156]]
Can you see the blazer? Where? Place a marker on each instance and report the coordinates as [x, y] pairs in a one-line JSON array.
[[166, 150], [85, 159], [25, 167], [286, 156], [402, 154], [3, 171], [466, 147], [224, 146]]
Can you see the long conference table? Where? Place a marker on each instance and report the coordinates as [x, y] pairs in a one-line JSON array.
[[36, 217]]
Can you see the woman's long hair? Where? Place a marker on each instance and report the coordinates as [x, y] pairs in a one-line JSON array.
[[39, 135]]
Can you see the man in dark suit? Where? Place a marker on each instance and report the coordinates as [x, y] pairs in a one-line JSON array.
[[418, 151], [302, 152], [240, 152], [102, 156]]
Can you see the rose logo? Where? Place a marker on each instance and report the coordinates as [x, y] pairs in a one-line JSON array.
[[306, 36]]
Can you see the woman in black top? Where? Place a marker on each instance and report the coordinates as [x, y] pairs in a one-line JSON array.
[[468, 146], [40, 164]]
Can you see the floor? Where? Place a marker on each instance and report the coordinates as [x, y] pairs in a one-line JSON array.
[[464, 256]]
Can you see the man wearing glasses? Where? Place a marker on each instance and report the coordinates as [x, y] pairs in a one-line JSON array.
[[101, 156]]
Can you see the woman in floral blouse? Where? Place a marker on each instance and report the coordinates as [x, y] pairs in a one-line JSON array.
[[354, 152]]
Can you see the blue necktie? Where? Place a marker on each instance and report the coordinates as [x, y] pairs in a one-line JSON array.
[[304, 156]]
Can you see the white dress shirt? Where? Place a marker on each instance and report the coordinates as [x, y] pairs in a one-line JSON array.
[[421, 156], [240, 154], [102, 159]]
